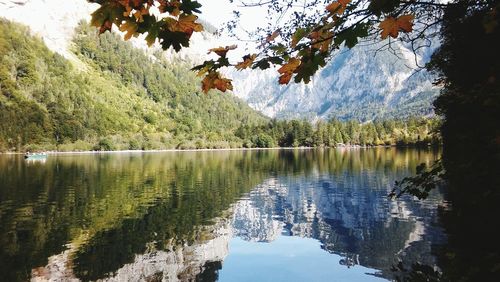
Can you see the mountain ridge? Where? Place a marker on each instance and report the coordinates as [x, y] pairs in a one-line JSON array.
[[356, 84], [360, 83]]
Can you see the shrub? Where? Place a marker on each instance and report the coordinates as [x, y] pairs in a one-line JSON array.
[[263, 141], [105, 144], [134, 145]]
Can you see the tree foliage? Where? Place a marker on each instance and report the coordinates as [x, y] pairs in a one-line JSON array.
[[125, 99], [303, 39], [335, 133]]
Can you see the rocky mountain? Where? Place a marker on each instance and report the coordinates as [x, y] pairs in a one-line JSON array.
[[361, 83], [350, 217]]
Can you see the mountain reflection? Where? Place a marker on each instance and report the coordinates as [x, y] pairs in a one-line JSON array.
[[350, 216], [171, 216]]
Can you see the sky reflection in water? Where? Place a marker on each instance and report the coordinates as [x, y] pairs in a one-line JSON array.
[[310, 215]]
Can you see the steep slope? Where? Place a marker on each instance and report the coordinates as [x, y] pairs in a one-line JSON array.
[[356, 84], [52, 20], [123, 100]]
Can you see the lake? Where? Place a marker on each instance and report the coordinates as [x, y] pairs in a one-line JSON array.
[[263, 215]]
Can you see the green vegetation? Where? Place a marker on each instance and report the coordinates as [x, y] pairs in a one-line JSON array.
[[120, 98], [110, 207], [296, 133]]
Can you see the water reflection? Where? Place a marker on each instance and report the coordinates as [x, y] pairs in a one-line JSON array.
[[179, 216]]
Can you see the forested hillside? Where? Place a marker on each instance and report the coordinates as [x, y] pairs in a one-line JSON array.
[[333, 133], [120, 98], [117, 97]]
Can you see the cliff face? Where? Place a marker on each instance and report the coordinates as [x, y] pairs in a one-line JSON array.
[[360, 83], [174, 262], [352, 218], [55, 21], [52, 20]]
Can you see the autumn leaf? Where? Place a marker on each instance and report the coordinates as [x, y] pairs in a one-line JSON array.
[[139, 14], [105, 27], [287, 70], [290, 66], [222, 51], [309, 65], [185, 24], [321, 39], [405, 22], [337, 7], [137, 3], [298, 35], [188, 24], [127, 12], [214, 80], [172, 7], [273, 35], [247, 61], [285, 78], [391, 26], [130, 28]]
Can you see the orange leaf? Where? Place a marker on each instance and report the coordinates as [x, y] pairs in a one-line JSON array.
[[287, 70], [405, 22], [337, 7], [130, 27], [290, 67], [187, 24], [213, 80], [222, 51], [105, 26], [285, 78], [273, 35], [127, 12], [138, 14], [247, 61], [223, 84], [391, 26], [321, 39]]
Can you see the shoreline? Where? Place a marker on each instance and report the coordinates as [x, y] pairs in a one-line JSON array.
[[348, 147]]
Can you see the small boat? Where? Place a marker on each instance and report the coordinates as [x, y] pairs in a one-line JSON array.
[[35, 156]]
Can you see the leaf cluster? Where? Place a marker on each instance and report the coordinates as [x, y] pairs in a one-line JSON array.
[[314, 31]]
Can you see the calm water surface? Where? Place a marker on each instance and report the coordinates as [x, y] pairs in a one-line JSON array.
[[289, 215]]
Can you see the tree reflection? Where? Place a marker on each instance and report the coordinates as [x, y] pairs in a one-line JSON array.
[[100, 215]]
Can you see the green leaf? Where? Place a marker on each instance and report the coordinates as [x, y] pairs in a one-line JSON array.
[[107, 12], [276, 60], [190, 7], [350, 36], [152, 34], [309, 66], [278, 49], [383, 6], [262, 64], [298, 35], [175, 40], [266, 62]]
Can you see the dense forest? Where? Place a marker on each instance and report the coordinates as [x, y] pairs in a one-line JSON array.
[[333, 133], [117, 97]]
